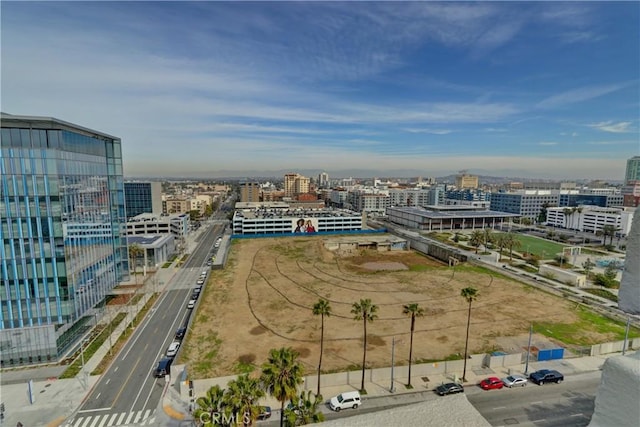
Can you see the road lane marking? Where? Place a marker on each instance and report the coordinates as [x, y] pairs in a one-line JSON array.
[[121, 417], [103, 422], [499, 407], [93, 410], [147, 414], [107, 381], [131, 414], [536, 403], [86, 422], [125, 383], [98, 395], [136, 420], [577, 415], [95, 421], [113, 418], [115, 369]]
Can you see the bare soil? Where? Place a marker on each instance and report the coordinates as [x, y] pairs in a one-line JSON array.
[[263, 299]]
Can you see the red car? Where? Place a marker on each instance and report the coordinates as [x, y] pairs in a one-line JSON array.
[[491, 383]]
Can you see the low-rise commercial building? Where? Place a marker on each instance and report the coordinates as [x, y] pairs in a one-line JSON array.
[[591, 219], [437, 218]]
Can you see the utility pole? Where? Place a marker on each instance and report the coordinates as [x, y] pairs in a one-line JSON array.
[[626, 336], [392, 389], [526, 365]]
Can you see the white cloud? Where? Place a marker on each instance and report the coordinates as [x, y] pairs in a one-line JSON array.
[[426, 130], [578, 95], [547, 143], [610, 126]]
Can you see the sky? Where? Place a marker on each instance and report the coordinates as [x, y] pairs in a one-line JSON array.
[[529, 89]]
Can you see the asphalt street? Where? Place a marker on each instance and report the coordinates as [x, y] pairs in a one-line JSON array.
[[567, 404], [128, 386]]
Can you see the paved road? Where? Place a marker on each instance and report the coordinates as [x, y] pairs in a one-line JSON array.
[[128, 392], [568, 404]]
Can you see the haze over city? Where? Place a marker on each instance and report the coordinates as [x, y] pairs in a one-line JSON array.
[[241, 89]]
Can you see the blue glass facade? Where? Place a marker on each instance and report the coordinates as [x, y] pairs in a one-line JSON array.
[[62, 226], [138, 198]]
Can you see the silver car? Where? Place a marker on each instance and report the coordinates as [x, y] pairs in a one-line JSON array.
[[515, 381]]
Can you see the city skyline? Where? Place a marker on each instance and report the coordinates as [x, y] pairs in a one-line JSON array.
[[547, 90]]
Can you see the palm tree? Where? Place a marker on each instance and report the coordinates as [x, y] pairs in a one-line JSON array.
[[488, 237], [469, 294], [608, 230], [212, 404], [511, 241], [567, 212], [322, 309], [304, 410], [365, 311], [500, 240], [476, 239], [134, 253], [281, 375], [588, 266], [413, 311], [242, 397]]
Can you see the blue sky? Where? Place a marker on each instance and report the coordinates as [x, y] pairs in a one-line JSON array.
[[541, 89]]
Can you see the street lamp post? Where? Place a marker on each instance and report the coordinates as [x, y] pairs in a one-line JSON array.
[[392, 389]]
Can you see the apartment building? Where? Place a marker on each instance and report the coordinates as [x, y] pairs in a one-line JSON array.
[[465, 180], [250, 192], [295, 184], [631, 188]]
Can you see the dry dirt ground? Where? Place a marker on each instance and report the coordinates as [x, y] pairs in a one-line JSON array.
[[263, 299]]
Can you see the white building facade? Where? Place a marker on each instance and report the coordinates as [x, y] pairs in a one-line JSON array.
[[591, 219]]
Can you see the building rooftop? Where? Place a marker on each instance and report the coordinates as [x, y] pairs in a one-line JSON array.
[[464, 213], [12, 120]]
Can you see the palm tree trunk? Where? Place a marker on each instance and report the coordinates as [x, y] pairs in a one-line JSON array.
[[282, 413], [364, 353], [413, 322], [321, 347], [466, 344]]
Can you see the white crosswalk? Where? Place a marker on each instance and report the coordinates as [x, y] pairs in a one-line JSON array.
[[143, 418]]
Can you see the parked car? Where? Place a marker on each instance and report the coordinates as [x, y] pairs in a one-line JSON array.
[[491, 383], [200, 282], [544, 376], [180, 333], [195, 295], [265, 413], [191, 304], [173, 349], [515, 381], [349, 399], [449, 388], [163, 368]]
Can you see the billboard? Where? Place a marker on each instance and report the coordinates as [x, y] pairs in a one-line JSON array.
[[304, 225]]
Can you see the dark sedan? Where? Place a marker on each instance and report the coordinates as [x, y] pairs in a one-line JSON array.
[[180, 333], [449, 388]]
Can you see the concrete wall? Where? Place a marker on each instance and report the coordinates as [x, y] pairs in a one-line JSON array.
[[614, 347], [504, 360], [563, 276]]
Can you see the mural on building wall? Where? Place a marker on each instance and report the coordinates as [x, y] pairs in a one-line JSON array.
[[304, 225]]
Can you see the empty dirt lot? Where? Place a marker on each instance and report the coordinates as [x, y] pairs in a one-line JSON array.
[[264, 297]]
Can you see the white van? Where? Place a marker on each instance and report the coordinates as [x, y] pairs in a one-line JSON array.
[[349, 399]]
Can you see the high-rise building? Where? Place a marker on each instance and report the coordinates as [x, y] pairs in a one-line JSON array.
[[62, 227], [631, 188], [465, 180], [323, 180], [249, 192], [295, 184], [143, 197]]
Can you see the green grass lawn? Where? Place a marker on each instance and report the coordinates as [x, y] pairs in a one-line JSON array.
[[536, 246]]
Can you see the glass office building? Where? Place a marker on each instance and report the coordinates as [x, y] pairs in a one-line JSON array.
[[62, 227], [143, 197]]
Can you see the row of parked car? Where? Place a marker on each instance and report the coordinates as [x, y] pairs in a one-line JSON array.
[[540, 377], [164, 365]]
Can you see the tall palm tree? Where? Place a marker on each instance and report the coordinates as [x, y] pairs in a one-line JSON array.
[[212, 404], [304, 410], [500, 240], [281, 375], [608, 230], [488, 237], [567, 212], [512, 242], [476, 239], [322, 309], [365, 311], [134, 253], [412, 310], [469, 294], [241, 398]]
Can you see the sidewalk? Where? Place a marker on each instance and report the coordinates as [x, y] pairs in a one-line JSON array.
[[378, 394]]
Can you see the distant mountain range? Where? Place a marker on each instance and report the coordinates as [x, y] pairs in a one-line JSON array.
[[485, 176]]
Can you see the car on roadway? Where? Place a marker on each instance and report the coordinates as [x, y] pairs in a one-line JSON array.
[[191, 304], [173, 349], [180, 333], [265, 413], [449, 388], [348, 399], [491, 383], [544, 376], [200, 282], [515, 381]]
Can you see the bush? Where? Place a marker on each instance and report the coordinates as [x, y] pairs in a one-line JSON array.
[[605, 281]]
